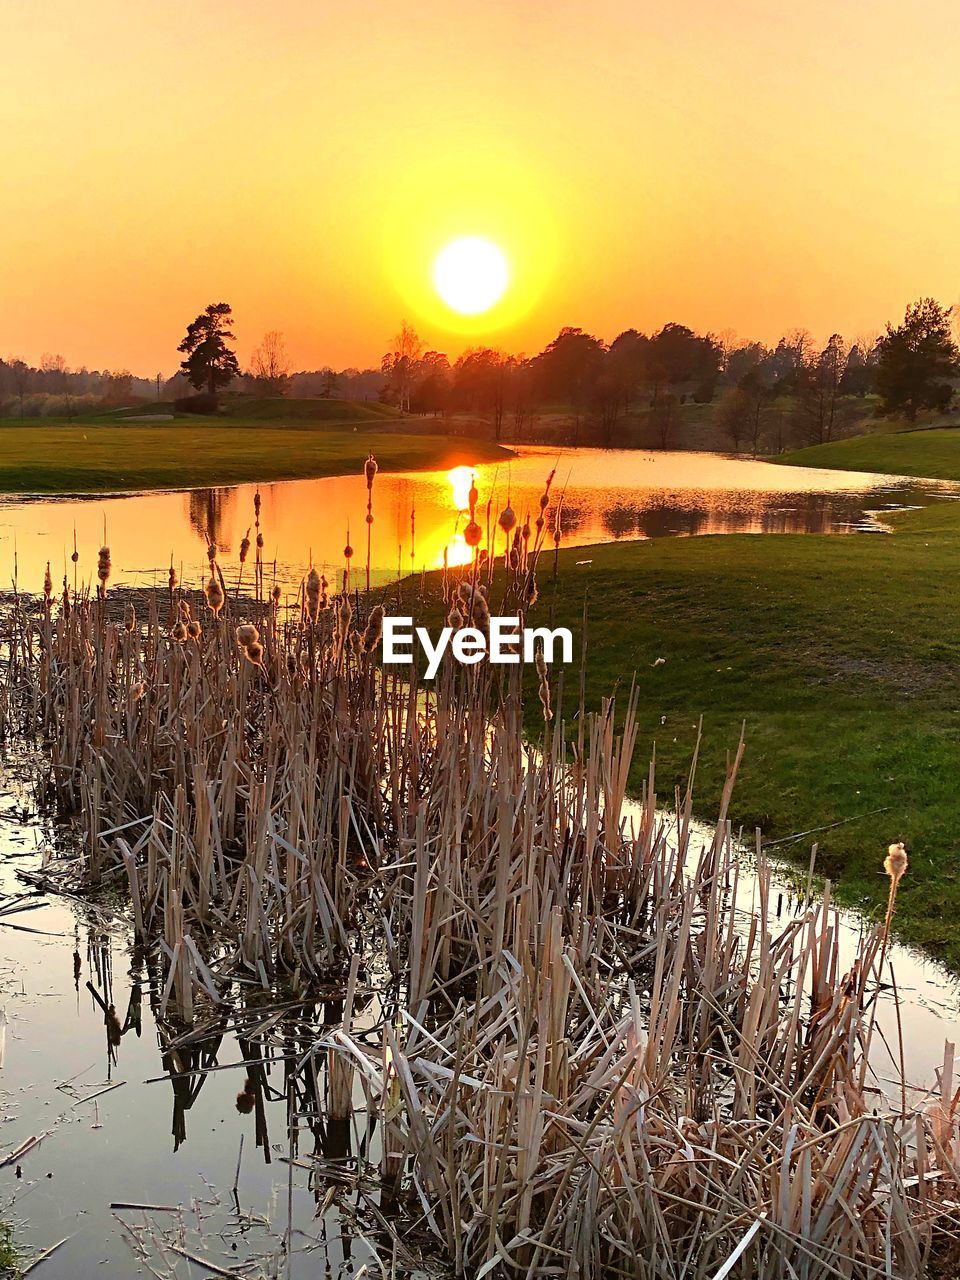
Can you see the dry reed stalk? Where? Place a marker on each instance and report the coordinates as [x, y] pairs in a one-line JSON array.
[[590, 1065]]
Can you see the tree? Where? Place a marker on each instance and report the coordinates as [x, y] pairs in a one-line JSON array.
[[677, 355], [432, 391], [401, 366], [915, 359], [21, 375], [210, 364], [742, 414], [480, 379], [818, 384], [665, 419], [329, 384], [568, 369], [626, 364], [56, 377], [270, 365]]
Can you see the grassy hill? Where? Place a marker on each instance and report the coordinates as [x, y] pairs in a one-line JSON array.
[[929, 451], [277, 409], [209, 452]]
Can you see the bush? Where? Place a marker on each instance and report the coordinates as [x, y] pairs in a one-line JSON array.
[[204, 402]]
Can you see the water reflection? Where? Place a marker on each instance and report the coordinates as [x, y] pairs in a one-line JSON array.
[[211, 513], [419, 517]]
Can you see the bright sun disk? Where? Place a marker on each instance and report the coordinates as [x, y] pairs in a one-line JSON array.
[[470, 275]]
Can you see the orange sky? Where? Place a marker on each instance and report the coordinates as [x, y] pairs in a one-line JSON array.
[[749, 165]]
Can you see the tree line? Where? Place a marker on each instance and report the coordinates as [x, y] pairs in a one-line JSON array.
[[793, 392]]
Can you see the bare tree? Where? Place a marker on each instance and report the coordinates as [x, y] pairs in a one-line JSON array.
[[55, 372], [665, 419], [401, 365], [270, 365]]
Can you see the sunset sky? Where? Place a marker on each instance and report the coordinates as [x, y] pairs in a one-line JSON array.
[[752, 166]]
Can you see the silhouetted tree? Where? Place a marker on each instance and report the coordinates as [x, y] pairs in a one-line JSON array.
[[20, 377], [627, 364], [568, 369], [329, 385], [677, 355], [818, 392], [401, 366], [860, 370], [210, 364], [480, 379], [432, 393], [270, 365], [740, 415], [915, 359], [665, 419]]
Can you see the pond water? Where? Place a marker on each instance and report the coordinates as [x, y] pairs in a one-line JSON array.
[[126, 1122], [608, 495]]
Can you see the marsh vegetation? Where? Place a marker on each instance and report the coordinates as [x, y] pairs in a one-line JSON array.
[[558, 1045]]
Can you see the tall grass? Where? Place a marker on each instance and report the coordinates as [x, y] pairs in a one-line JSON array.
[[590, 1064]]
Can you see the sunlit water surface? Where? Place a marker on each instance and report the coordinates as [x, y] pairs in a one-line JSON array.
[[419, 517]]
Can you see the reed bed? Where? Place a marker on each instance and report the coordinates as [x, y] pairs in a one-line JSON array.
[[585, 1061]]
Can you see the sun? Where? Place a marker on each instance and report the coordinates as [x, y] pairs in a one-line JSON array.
[[471, 275]]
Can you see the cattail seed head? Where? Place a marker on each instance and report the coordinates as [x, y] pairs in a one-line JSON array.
[[313, 590], [172, 579], [346, 613], [179, 633], [244, 546], [472, 534], [247, 634], [370, 470], [212, 552], [254, 653], [129, 618], [259, 541], [508, 518], [896, 861], [104, 564], [374, 629], [214, 594], [47, 582], [194, 629]]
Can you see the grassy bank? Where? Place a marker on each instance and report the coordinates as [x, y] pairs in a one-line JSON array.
[[91, 458], [841, 655], [933, 452]]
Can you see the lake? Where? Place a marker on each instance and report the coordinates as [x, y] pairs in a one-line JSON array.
[[419, 517]]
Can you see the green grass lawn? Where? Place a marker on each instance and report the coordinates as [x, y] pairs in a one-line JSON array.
[[93, 458], [933, 452], [841, 655]]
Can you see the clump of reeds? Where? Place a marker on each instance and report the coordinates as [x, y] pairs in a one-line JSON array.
[[590, 1066]]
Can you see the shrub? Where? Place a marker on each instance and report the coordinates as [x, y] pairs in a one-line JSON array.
[[203, 402]]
